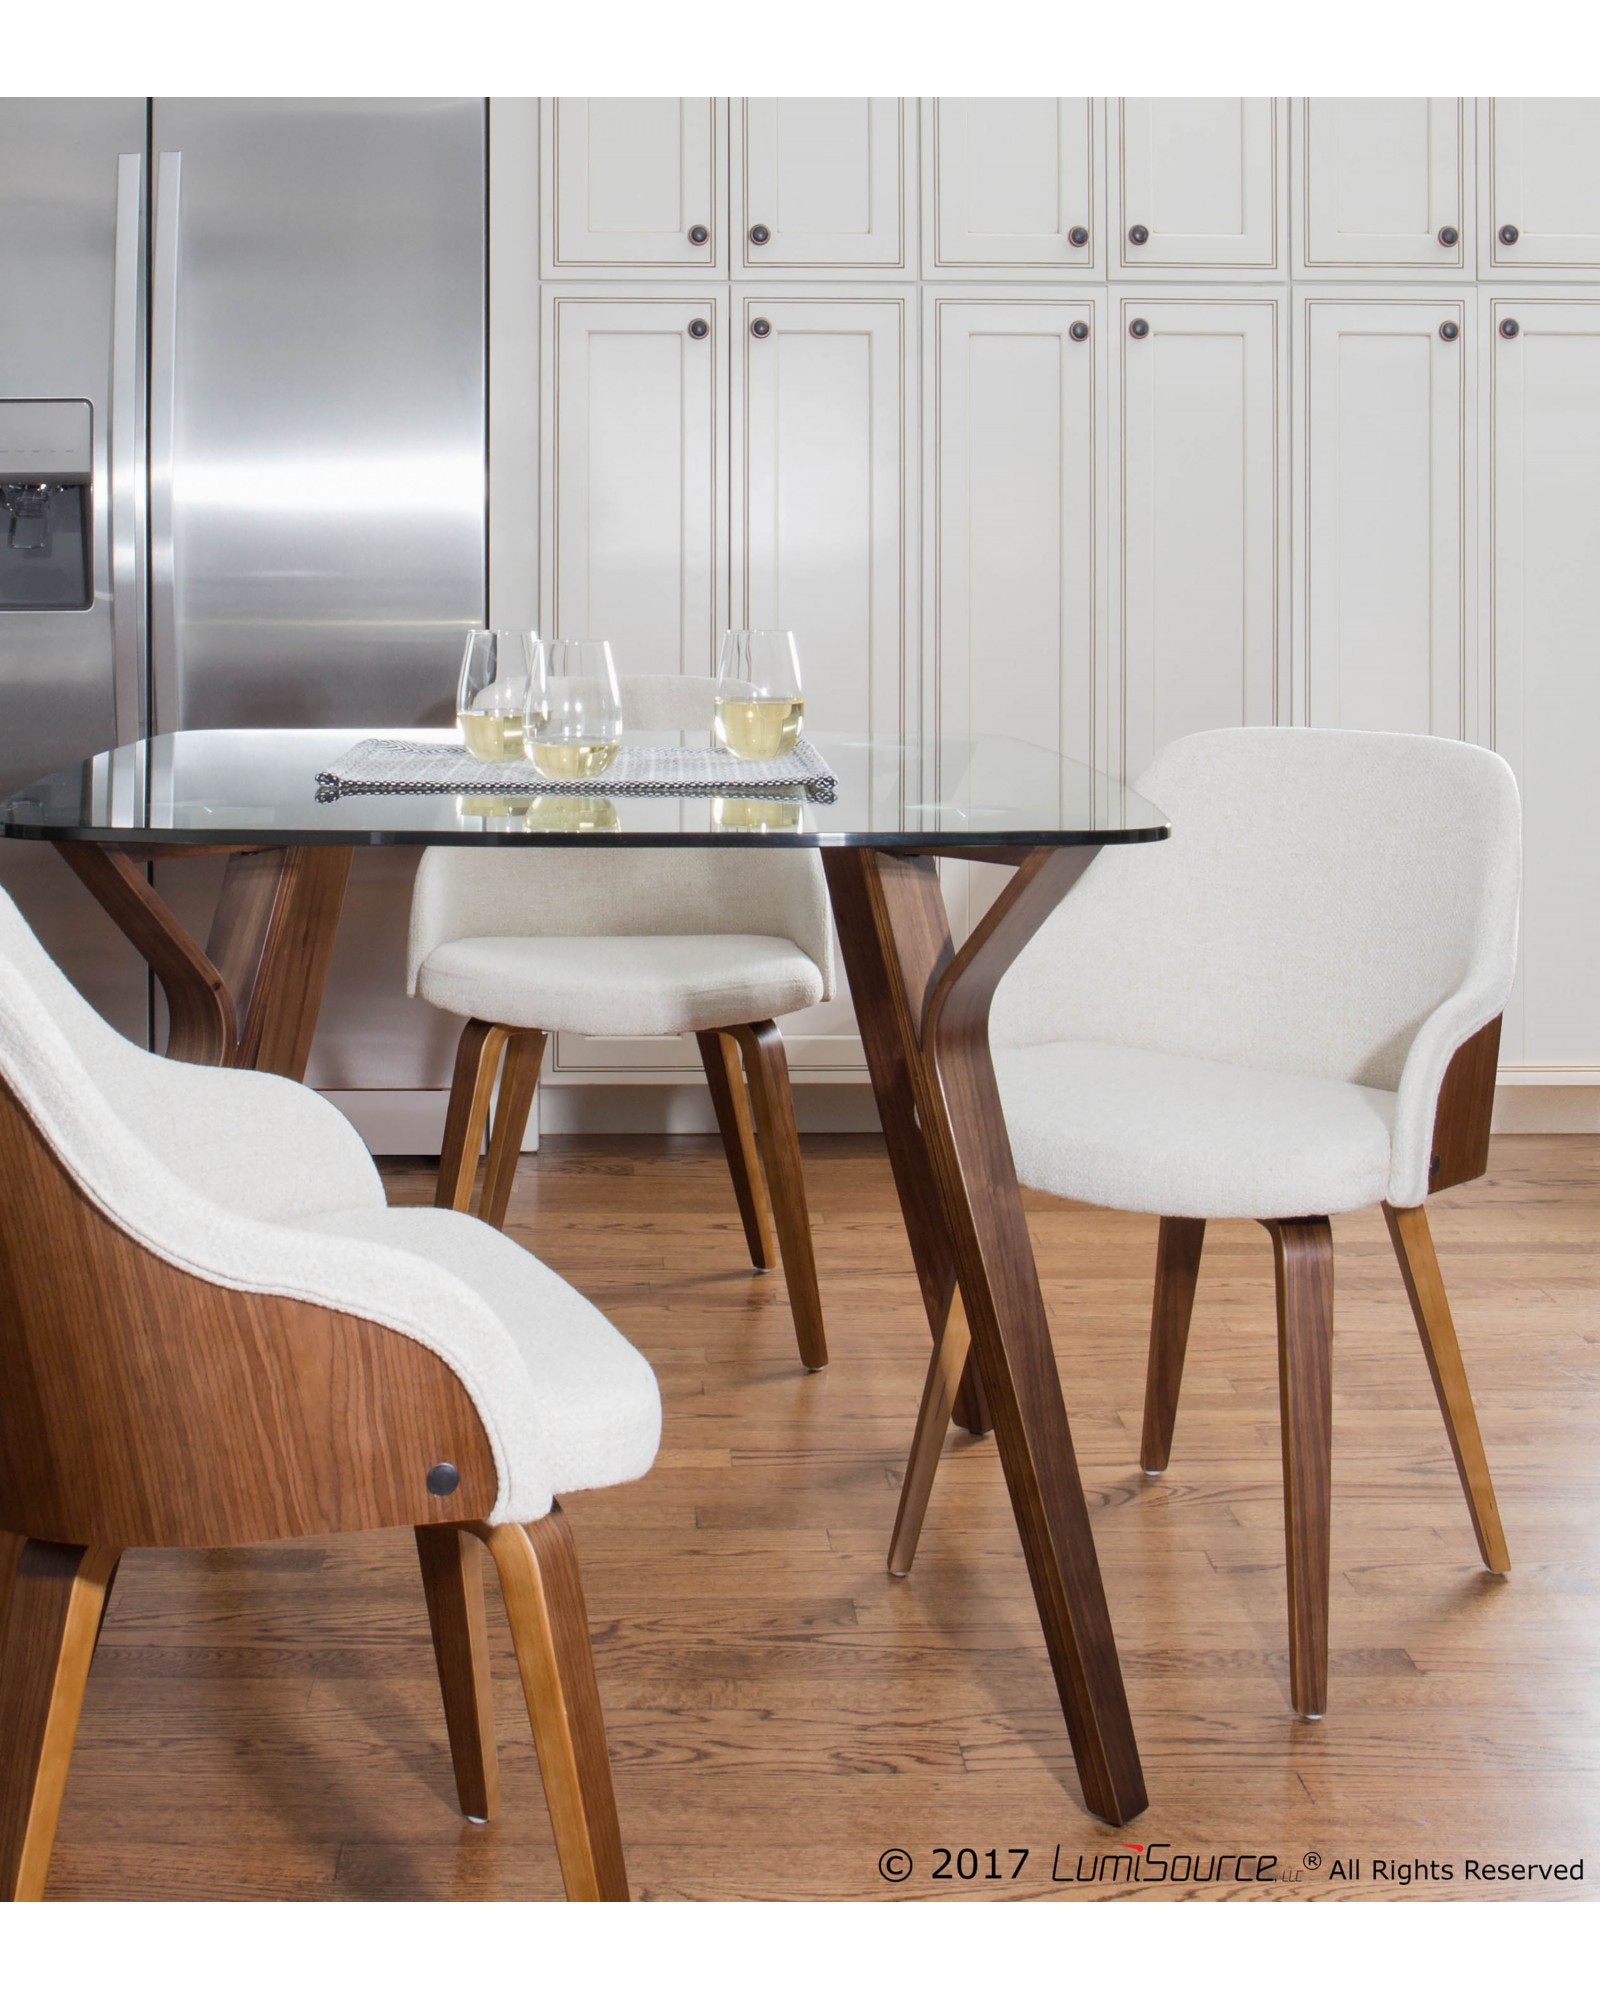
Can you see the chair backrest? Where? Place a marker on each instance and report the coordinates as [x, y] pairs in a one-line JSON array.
[[174, 1372], [635, 892], [1322, 893]]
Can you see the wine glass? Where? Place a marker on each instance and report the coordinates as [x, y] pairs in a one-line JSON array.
[[574, 715], [497, 672], [760, 710]]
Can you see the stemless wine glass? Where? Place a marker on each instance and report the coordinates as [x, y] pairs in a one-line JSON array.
[[574, 718], [497, 671], [760, 710]]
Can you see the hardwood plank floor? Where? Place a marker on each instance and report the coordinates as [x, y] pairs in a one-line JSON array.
[[266, 1723]]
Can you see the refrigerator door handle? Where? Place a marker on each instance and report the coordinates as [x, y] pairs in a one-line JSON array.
[[126, 456], [165, 665]]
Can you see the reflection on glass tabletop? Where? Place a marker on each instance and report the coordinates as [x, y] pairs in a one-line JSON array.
[[239, 787]]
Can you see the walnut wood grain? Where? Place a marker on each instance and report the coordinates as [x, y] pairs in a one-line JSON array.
[[142, 1406], [939, 1389], [1465, 1111], [452, 1582], [719, 1056], [47, 1639], [478, 1054], [1430, 1307], [519, 1077], [767, 1069], [543, 1594], [1179, 1242], [896, 941], [1302, 1255]]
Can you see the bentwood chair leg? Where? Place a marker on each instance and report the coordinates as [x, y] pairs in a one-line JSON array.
[[719, 1053], [1430, 1307], [768, 1071], [452, 1581], [1178, 1247], [549, 1627], [51, 1622], [477, 1057], [945, 1366], [518, 1079], [1303, 1262]]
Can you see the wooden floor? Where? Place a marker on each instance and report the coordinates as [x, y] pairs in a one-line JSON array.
[[265, 1723]]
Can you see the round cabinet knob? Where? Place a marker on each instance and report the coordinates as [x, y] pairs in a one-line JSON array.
[[1138, 233], [698, 329], [1509, 329], [1139, 328], [761, 328], [699, 234], [1449, 331], [761, 233], [1079, 329], [1078, 236], [1449, 237], [1508, 233]]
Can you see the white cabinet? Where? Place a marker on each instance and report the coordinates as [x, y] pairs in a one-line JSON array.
[[1543, 572], [1381, 183], [1014, 457], [633, 488], [1541, 196], [1383, 424], [1196, 182], [1011, 186], [1199, 486], [633, 184], [824, 183]]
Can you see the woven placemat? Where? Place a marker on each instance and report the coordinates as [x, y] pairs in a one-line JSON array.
[[381, 765]]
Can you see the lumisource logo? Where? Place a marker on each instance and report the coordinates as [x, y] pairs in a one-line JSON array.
[[1159, 1861]]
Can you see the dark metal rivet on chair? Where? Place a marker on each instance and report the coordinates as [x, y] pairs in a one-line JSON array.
[[1508, 233], [761, 233], [1449, 237], [698, 329], [1139, 328], [1449, 330], [443, 1478], [1509, 329], [1079, 329], [761, 328], [1138, 233], [1077, 236], [699, 234]]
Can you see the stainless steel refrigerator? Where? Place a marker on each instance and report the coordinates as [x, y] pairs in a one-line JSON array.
[[242, 471]]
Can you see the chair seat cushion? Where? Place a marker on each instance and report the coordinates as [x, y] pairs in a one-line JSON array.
[[598, 1408], [1172, 1135], [621, 985]]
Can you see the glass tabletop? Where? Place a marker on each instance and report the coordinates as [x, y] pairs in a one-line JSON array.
[[227, 787]]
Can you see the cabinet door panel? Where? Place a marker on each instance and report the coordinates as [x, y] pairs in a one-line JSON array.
[[1199, 483], [1008, 178], [1544, 562], [1542, 157], [1381, 515], [826, 178], [1201, 175], [627, 179], [825, 525], [1015, 498], [1377, 179]]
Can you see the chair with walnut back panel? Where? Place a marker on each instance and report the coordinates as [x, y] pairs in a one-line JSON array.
[[639, 943], [214, 1331], [1289, 1010]]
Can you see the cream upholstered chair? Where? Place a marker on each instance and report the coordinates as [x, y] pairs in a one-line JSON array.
[[1288, 1010], [213, 1330], [700, 941]]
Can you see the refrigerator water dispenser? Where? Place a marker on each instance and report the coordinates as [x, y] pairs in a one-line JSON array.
[[46, 469]]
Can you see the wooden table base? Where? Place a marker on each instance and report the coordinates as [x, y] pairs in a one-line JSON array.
[[923, 1008]]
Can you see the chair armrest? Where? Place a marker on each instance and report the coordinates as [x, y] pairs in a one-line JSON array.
[[1444, 1102]]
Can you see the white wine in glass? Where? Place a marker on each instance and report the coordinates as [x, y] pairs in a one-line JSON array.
[[497, 671], [760, 710], [574, 716]]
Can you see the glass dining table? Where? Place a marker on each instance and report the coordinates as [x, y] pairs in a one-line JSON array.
[[248, 996]]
